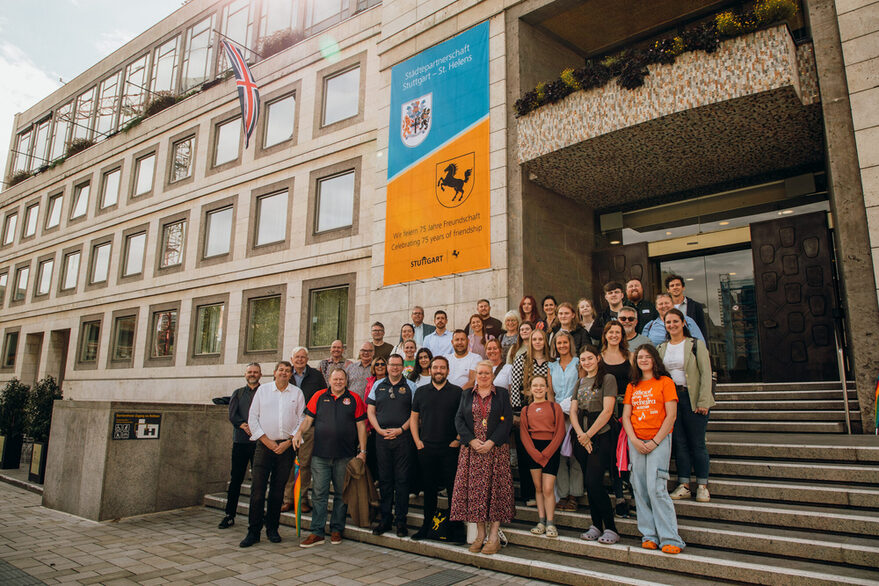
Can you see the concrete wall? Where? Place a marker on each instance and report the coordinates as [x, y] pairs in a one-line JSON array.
[[90, 475]]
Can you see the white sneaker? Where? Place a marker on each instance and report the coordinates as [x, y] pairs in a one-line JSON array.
[[681, 492], [702, 495]]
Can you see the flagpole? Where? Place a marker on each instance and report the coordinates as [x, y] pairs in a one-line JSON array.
[[231, 40]]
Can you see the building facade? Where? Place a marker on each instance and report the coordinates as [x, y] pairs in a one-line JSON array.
[[155, 263]]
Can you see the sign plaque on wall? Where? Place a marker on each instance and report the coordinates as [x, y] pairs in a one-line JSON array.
[[136, 426]]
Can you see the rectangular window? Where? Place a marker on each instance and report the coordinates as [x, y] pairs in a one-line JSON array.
[[328, 318], [199, 53], [31, 216], [164, 77], [80, 200], [53, 217], [173, 240], [134, 249], [218, 232], [335, 202], [277, 15], [44, 277], [123, 338], [280, 118], [41, 144], [3, 280], [341, 96], [163, 332], [9, 229], [61, 132], [10, 346], [238, 26], [182, 159], [271, 222], [108, 98], [22, 151], [89, 339], [263, 321], [209, 329], [70, 271], [134, 94], [317, 12], [144, 170], [110, 188], [227, 142], [21, 277], [100, 263], [82, 114]]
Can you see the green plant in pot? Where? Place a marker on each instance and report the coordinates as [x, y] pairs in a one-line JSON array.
[[38, 413], [13, 399]]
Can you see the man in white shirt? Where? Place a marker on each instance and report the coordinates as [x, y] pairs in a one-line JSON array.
[[275, 416], [462, 362], [422, 330], [440, 341]]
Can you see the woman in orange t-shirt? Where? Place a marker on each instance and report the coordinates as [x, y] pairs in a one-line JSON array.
[[649, 410]]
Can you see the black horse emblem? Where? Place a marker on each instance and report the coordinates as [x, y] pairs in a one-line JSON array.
[[450, 183]]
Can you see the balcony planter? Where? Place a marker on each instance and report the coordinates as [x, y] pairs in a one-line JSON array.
[[13, 399]]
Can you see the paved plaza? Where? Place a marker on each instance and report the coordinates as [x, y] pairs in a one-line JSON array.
[[42, 546]]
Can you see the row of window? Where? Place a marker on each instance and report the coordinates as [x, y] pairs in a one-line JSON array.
[[261, 332], [333, 204], [177, 64]]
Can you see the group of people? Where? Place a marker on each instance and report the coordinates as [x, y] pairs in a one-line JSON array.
[[440, 410]]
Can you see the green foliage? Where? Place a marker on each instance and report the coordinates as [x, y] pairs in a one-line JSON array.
[[277, 42], [158, 102], [13, 399], [569, 79], [38, 412], [77, 145], [133, 123], [767, 12], [18, 177]]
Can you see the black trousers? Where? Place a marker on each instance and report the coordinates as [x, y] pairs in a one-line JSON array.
[[242, 455], [270, 471], [526, 483], [438, 469], [594, 466], [394, 460]]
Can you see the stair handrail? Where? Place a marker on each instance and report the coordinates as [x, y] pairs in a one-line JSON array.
[[840, 361]]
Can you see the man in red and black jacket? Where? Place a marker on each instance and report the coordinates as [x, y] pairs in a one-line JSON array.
[[339, 420]]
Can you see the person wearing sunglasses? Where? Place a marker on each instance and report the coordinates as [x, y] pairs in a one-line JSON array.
[[628, 316]]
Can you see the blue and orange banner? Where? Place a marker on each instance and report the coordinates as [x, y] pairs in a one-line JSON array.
[[438, 193]]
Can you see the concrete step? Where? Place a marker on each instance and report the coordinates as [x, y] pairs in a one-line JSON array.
[[841, 448], [795, 386], [538, 564], [783, 405], [777, 426], [624, 561], [793, 492], [800, 471], [723, 414], [806, 395]]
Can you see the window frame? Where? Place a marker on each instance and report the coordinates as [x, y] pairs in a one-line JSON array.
[[170, 182], [312, 236], [206, 210], [78, 363], [5, 271], [99, 201], [6, 333], [62, 271], [86, 180], [123, 253], [327, 73], [53, 196], [150, 361], [133, 176], [34, 203], [244, 356], [253, 225], [93, 246], [193, 359], [38, 276], [13, 285], [114, 363], [335, 281], [216, 122], [6, 229], [160, 242], [294, 89]]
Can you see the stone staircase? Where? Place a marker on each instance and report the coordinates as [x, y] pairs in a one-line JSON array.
[[786, 508]]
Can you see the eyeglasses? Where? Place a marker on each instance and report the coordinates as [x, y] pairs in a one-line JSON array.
[[377, 364], [627, 318]]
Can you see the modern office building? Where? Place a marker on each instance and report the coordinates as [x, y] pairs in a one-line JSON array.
[[156, 262]]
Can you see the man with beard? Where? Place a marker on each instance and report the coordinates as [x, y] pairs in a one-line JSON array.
[[432, 424], [643, 308]]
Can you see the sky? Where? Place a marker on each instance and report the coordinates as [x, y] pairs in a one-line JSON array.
[[44, 43]]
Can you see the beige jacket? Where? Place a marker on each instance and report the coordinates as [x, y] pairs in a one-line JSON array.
[[698, 372]]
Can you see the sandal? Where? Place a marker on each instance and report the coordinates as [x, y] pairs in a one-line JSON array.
[[592, 534], [647, 544], [538, 529], [609, 537], [551, 531], [672, 549], [476, 546], [491, 547]]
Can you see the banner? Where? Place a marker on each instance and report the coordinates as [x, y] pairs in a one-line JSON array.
[[438, 194]]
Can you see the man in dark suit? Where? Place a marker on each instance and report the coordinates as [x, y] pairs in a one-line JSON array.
[[421, 329], [310, 380], [676, 287]]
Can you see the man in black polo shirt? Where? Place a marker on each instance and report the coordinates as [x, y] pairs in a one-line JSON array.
[[433, 429], [388, 407], [242, 447], [339, 420]]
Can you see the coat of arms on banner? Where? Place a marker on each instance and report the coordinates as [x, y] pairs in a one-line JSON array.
[[415, 120], [455, 179]]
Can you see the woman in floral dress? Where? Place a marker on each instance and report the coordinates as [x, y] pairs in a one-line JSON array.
[[483, 491]]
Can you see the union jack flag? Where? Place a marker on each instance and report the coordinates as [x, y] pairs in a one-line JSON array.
[[248, 92]]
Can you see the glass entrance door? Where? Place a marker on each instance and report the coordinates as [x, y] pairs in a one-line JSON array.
[[724, 284]]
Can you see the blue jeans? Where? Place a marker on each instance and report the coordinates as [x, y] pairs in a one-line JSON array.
[[689, 441], [322, 471], [656, 512]]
